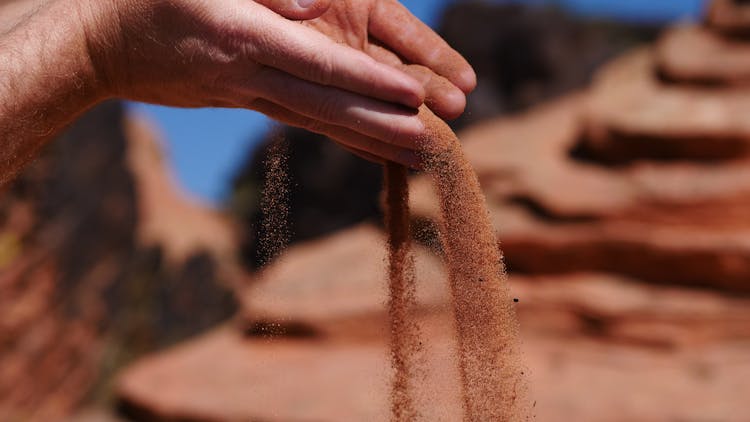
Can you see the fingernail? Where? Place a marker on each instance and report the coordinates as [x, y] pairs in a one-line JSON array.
[[305, 3]]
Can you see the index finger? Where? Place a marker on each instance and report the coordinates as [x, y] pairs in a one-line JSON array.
[[310, 55], [395, 26]]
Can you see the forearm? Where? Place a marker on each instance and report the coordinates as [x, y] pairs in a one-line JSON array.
[[46, 80]]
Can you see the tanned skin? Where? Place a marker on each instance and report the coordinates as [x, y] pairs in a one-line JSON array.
[[355, 70]]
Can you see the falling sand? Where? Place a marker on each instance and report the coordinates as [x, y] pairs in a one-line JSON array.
[[405, 336], [493, 380], [494, 386], [274, 231]]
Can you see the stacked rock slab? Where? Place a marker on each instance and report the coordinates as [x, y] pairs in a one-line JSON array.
[[715, 53], [675, 223], [687, 97], [632, 114], [699, 54]]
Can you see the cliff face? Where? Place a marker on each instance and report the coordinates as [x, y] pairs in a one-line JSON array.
[[80, 292]]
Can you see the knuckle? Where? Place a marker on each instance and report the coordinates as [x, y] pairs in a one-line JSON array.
[[434, 56], [405, 133], [322, 69], [314, 125], [329, 109], [395, 134]]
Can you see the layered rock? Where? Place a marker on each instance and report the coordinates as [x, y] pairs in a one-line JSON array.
[[622, 214], [632, 115], [81, 291], [699, 55], [599, 256], [679, 222], [593, 342], [347, 269]]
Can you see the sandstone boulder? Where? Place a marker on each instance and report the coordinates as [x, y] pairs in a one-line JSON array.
[[631, 116], [336, 285]]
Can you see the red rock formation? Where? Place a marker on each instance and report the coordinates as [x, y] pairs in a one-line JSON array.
[[594, 342], [677, 223], [165, 211], [81, 293], [622, 213], [605, 319], [573, 379], [632, 115], [349, 272]]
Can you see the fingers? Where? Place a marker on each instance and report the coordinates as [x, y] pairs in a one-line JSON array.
[[382, 54], [308, 54], [366, 147], [408, 37], [385, 122], [297, 9], [442, 97]]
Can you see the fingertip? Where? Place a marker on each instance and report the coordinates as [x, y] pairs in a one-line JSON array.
[[450, 104], [416, 96], [467, 80], [415, 129], [412, 93], [314, 8]]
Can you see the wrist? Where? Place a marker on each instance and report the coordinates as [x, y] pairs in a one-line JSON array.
[[99, 26], [46, 80], [46, 69]]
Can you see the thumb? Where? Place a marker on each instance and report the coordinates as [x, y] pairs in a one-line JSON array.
[[297, 9]]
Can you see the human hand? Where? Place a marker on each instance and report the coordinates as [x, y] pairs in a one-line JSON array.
[[388, 32], [238, 53]]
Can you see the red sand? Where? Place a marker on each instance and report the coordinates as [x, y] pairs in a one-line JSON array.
[[494, 385], [274, 231], [405, 336], [492, 375]]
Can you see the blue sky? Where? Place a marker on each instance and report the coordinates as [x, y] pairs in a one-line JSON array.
[[206, 146]]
